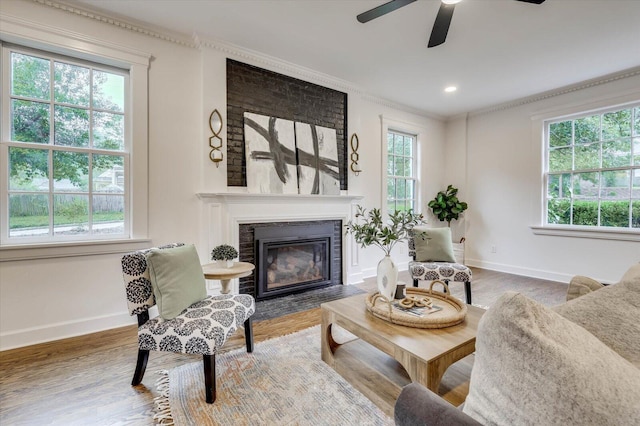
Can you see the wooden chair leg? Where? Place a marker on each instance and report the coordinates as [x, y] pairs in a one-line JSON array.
[[444, 290], [467, 291], [209, 362], [141, 366], [248, 334]]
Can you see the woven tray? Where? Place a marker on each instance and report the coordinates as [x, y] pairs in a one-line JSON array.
[[453, 310]]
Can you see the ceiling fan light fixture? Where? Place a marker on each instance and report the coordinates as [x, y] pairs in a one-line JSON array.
[[450, 89], [451, 1]]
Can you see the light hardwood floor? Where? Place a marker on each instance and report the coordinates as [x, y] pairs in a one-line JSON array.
[[86, 380]]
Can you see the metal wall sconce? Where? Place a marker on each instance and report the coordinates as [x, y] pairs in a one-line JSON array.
[[355, 144], [215, 141]]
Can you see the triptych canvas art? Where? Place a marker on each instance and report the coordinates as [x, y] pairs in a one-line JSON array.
[[287, 157]]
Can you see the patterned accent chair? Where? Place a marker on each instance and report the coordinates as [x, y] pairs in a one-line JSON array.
[[200, 329], [443, 271]]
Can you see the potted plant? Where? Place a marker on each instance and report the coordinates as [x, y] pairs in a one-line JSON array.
[[224, 254], [446, 205], [369, 229]]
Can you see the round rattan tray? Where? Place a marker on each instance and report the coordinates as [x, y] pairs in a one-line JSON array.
[[453, 310]]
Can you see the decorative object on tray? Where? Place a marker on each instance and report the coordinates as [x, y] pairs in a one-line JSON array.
[[368, 229], [224, 254], [440, 310]]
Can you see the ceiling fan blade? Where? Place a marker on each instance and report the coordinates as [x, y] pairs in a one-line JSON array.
[[441, 25], [532, 1], [383, 9]]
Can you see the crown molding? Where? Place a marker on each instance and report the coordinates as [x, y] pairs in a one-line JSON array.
[[620, 75], [161, 34]]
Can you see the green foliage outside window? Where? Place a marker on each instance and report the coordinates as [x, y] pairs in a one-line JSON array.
[[85, 111], [594, 170]]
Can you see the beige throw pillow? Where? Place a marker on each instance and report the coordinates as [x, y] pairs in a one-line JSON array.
[[177, 279], [433, 244], [534, 367], [580, 285]]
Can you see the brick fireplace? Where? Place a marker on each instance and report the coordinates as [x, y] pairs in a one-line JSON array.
[[290, 256], [232, 218]]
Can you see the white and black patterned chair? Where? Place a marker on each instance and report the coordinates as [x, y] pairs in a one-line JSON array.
[[200, 329], [443, 271]]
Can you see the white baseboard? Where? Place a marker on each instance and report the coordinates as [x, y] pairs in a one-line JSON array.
[[63, 330], [517, 270]]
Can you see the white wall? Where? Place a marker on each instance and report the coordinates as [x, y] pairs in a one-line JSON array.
[[504, 183], [49, 299]]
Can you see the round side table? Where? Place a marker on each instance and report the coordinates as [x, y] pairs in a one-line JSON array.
[[213, 271]]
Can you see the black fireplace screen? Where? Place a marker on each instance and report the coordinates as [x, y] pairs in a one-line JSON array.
[[295, 264], [293, 258]]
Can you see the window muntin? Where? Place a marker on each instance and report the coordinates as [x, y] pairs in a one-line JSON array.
[[593, 170], [66, 153], [401, 171]]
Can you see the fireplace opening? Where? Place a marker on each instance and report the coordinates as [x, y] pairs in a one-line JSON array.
[[293, 258]]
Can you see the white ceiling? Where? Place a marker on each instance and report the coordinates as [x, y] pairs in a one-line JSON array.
[[496, 51]]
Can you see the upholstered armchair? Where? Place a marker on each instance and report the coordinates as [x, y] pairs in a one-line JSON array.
[[190, 322], [433, 258]]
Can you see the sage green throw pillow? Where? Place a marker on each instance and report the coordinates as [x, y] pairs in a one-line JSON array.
[[177, 279], [433, 244]]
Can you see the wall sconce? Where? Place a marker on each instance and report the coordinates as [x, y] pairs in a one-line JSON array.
[[215, 141], [355, 144]]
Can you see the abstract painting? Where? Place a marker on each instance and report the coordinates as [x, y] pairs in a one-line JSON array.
[[271, 155], [287, 158], [317, 160]]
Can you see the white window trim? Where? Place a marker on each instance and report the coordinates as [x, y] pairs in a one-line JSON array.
[[538, 150], [61, 41], [408, 128]]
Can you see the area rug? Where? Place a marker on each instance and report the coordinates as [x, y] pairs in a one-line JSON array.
[[283, 382]]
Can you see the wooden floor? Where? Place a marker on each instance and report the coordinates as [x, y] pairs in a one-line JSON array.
[[86, 380]]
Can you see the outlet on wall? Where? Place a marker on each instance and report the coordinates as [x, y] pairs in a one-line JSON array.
[[493, 249]]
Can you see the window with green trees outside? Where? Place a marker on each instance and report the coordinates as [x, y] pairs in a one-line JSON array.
[[401, 171], [64, 148], [593, 169]]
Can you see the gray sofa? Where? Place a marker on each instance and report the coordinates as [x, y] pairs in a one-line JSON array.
[[574, 364]]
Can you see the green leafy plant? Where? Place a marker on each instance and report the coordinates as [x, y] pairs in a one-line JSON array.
[[368, 228], [446, 205], [224, 252]]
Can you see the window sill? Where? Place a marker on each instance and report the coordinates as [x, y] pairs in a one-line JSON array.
[[588, 232], [71, 249]]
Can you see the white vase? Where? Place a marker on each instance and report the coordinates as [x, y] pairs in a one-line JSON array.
[[387, 277], [225, 264]]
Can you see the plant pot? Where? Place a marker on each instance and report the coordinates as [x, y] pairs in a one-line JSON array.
[[225, 263], [387, 277]]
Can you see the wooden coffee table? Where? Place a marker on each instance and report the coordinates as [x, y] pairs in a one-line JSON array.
[[425, 354]]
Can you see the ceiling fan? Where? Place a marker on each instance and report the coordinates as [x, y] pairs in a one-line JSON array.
[[441, 24]]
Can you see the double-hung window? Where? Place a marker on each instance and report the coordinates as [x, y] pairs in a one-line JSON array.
[[65, 151], [592, 172], [401, 171]]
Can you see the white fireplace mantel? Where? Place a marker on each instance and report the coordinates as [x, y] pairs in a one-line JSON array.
[[245, 197], [224, 212]]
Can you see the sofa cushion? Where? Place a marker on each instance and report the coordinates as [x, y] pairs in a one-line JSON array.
[[631, 273], [612, 314], [535, 367], [579, 286], [433, 244], [177, 279]]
